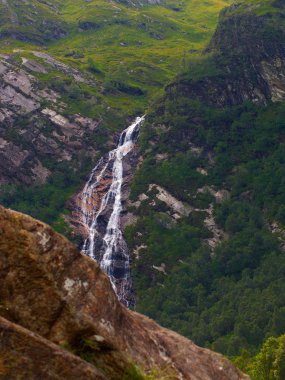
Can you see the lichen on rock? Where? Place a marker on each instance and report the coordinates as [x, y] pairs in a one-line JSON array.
[[53, 296]]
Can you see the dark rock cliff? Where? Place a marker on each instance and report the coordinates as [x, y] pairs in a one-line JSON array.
[[245, 59]]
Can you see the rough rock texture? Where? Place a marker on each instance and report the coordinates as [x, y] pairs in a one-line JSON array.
[[130, 162], [26, 355], [140, 3], [32, 128], [247, 59], [174, 204], [49, 288]]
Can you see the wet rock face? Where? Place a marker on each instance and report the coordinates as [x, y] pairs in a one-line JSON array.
[[51, 294], [75, 204], [98, 212]]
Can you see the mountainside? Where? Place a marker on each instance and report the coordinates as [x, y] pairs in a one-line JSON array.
[[244, 60], [61, 319], [35, 128], [208, 244], [72, 75], [194, 209]]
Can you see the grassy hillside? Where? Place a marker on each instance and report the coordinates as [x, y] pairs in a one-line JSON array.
[[130, 48], [125, 54]]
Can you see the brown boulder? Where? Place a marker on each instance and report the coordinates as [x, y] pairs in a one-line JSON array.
[[48, 287], [26, 355]]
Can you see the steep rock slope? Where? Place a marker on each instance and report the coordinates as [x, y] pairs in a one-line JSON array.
[[48, 141], [30, 356], [49, 288], [209, 196], [34, 132], [245, 58]]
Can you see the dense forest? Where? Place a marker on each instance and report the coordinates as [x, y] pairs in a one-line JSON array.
[[230, 297], [233, 298]]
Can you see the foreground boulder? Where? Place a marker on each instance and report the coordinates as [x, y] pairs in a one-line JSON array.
[[26, 355], [55, 300]]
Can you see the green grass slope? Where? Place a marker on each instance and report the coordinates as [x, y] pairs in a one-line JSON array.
[[127, 54], [134, 49]]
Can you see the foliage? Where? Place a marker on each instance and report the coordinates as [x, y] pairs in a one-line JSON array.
[[45, 202], [106, 38], [231, 300], [176, 174], [92, 66], [116, 50], [268, 364]]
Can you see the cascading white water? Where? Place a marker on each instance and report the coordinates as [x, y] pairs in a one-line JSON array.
[[108, 246]]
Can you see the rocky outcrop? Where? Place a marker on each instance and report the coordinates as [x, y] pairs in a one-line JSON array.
[[54, 63], [51, 295], [279, 232], [177, 207], [30, 356], [246, 59], [32, 127], [75, 203], [140, 3]]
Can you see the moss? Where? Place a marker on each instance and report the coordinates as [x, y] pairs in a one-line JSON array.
[[134, 373]]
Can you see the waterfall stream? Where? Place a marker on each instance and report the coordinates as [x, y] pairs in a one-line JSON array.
[[105, 242]]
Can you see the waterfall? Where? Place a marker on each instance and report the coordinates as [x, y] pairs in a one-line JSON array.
[[105, 242]]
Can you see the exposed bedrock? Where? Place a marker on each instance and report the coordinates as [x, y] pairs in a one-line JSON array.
[[52, 295]]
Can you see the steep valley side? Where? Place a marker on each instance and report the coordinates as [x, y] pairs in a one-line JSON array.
[[200, 197], [208, 200], [73, 75]]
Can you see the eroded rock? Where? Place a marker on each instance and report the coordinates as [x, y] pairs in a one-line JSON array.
[[25, 354], [174, 204], [49, 288], [32, 126]]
